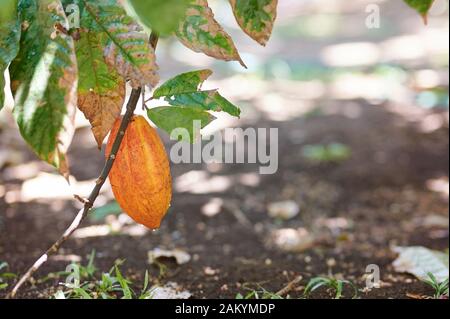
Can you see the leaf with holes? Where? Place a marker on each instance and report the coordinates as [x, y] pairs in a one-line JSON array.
[[184, 90], [186, 82], [101, 90], [421, 6], [208, 100], [44, 82], [9, 39], [127, 47], [256, 17], [200, 32], [170, 118]]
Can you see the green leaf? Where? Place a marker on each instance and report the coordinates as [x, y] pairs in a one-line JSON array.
[[170, 118], [100, 213], [421, 6], [82, 293], [183, 83], [124, 284], [44, 81], [163, 16], [146, 282], [8, 275], [207, 100], [183, 90], [200, 32], [9, 39], [256, 17], [127, 48]]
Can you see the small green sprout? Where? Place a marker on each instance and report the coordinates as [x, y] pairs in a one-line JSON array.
[[82, 282], [331, 153], [440, 288], [4, 276], [258, 293], [332, 283]]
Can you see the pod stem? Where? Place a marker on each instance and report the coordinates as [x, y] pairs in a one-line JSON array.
[[89, 202]]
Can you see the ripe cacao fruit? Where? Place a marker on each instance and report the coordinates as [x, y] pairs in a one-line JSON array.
[[140, 177]]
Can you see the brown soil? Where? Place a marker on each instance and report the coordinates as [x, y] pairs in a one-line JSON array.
[[381, 190]]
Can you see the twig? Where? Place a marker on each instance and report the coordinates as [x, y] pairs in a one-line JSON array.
[[135, 94], [89, 202], [290, 286], [154, 38], [82, 200], [234, 209]]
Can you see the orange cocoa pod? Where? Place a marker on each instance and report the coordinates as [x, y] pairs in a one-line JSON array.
[[140, 177]]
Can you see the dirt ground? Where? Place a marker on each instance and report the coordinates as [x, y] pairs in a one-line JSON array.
[[381, 200], [356, 210]]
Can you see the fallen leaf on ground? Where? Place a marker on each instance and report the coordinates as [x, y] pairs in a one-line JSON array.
[[420, 261], [170, 291], [292, 240], [209, 271], [284, 210], [181, 257], [434, 221], [213, 207]]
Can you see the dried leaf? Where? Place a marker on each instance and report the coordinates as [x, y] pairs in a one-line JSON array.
[[256, 17], [200, 32], [420, 261], [283, 210], [292, 240], [170, 291], [101, 110], [180, 256]]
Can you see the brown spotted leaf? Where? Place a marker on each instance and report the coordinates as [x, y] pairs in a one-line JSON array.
[[44, 81], [137, 65], [127, 48], [256, 17], [200, 32], [101, 109]]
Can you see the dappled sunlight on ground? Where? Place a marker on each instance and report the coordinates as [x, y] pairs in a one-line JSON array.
[[440, 185], [376, 97], [47, 186], [202, 182]]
